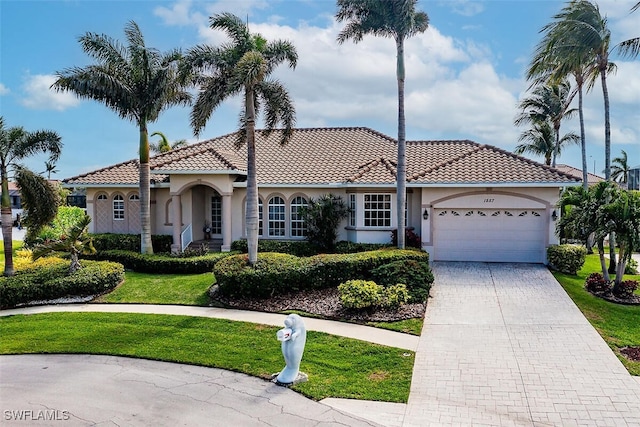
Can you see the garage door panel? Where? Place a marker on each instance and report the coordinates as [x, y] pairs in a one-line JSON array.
[[489, 235]]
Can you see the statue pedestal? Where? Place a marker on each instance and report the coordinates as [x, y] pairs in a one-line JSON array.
[[301, 378]]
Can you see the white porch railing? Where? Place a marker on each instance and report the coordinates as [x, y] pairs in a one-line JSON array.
[[186, 237]]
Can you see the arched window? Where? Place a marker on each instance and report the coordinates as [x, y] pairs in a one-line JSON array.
[[134, 197], [102, 197], [298, 226], [277, 209], [118, 207]]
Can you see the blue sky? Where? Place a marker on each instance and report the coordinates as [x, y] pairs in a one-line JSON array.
[[464, 75]]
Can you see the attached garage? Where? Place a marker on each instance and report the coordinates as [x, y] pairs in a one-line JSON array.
[[513, 229]]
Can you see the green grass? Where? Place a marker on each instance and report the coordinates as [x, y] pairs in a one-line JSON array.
[[408, 326], [142, 288], [618, 324], [17, 245], [337, 367]]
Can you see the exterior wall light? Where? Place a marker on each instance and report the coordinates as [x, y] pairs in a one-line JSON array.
[[554, 215], [425, 214]]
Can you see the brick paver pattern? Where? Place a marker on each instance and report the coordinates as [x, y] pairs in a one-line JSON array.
[[504, 345]]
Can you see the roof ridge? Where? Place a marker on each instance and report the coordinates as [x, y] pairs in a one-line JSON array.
[[199, 151], [444, 163], [223, 159], [533, 162]]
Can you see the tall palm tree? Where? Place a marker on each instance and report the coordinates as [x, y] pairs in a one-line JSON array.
[[554, 60], [16, 144], [397, 19], [582, 29], [49, 168], [164, 145], [135, 81], [631, 47], [620, 168], [550, 102], [243, 66], [540, 140]]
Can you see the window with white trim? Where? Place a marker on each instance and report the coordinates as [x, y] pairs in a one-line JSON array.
[[216, 214], [260, 216], [277, 209], [102, 197], [298, 225], [352, 210], [118, 207], [377, 210], [134, 198]]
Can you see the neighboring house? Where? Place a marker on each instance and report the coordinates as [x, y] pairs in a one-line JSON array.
[[16, 202], [634, 178], [577, 173], [468, 202]]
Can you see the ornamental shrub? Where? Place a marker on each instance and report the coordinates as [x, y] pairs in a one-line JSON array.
[[395, 295], [360, 294], [415, 274], [631, 267], [595, 283], [304, 248], [66, 218], [567, 259], [411, 239], [53, 281], [625, 289]]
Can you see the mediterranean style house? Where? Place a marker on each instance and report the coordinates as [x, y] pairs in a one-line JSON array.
[[467, 201]]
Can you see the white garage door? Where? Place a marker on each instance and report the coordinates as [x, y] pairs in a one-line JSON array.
[[490, 235]]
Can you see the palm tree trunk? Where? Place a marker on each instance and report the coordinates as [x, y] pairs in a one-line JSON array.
[[401, 173], [146, 246], [251, 218], [603, 261], [607, 126], [556, 147], [7, 224], [583, 138]]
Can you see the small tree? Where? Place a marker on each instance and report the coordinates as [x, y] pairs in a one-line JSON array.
[[75, 242], [322, 216]]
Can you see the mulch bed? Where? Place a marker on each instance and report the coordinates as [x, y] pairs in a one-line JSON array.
[[608, 296], [323, 302], [631, 353]]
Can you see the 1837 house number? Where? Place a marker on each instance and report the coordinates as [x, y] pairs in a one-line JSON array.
[[489, 200]]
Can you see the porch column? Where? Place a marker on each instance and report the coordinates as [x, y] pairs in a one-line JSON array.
[[226, 223], [177, 223]]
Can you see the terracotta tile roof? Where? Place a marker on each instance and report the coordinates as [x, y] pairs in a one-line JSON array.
[[320, 156], [577, 173]]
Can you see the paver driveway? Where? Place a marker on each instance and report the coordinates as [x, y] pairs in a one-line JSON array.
[[503, 344]]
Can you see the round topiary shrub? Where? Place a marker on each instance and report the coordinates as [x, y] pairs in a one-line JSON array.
[[359, 294]]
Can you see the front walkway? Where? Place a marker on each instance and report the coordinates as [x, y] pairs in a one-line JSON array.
[[504, 345]]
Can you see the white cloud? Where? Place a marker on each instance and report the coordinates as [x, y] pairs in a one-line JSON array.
[[39, 96], [465, 7], [4, 90], [178, 14]]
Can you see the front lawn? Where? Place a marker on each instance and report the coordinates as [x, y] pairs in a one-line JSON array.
[[337, 367], [618, 324], [144, 288]]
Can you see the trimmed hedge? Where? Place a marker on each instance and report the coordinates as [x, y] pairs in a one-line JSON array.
[[54, 281], [567, 259], [130, 242], [162, 263], [415, 274], [276, 273], [303, 248]]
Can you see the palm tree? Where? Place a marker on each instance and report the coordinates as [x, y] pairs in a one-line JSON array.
[[550, 102], [49, 168], [399, 20], [620, 168], [164, 145], [76, 242], [243, 67], [583, 30], [554, 60], [631, 47], [16, 144], [135, 81], [539, 140]]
